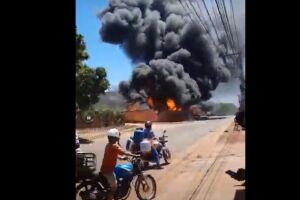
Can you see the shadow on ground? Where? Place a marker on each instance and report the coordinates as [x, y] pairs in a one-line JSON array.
[[84, 141], [153, 166]]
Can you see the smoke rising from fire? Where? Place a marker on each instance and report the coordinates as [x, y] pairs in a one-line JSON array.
[[174, 57]]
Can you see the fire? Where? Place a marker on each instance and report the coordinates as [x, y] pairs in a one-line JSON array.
[[172, 105], [150, 102], [133, 107]]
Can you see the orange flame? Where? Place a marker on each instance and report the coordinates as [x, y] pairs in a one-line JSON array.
[[150, 102], [172, 105]]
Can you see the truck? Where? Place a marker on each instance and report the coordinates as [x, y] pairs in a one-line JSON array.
[[197, 113]]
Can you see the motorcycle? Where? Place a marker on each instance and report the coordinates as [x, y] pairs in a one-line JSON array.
[[162, 149], [95, 186]]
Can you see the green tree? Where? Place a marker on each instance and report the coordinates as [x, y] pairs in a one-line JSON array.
[[81, 52], [90, 83]]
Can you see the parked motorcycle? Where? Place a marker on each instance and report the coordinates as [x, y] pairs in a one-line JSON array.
[[95, 186]]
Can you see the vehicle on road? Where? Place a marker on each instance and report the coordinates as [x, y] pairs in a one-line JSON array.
[[198, 113], [163, 150], [91, 185]]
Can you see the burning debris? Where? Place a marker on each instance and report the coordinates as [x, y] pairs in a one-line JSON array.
[[177, 63], [172, 106]]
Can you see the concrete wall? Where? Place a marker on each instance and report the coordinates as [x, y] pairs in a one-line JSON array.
[[97, 122], [140, 116]]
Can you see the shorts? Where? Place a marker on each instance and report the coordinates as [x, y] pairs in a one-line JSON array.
[[112, 180]]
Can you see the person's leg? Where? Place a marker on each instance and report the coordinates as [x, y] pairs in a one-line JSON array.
[[156, 156], [112, 180], [159, 147]]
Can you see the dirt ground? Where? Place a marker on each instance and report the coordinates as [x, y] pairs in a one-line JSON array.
[[199, 172]]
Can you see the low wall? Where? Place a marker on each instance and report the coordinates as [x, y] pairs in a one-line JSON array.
[[97, 122]]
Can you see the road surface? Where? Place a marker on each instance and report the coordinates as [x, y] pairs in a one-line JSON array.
[[195, 147]]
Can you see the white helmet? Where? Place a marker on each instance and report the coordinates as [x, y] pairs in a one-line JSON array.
[[113, 133]]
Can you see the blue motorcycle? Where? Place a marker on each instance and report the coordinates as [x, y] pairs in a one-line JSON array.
[[95, 186]]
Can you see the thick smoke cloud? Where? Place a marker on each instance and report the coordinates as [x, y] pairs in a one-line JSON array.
[[175, 57]]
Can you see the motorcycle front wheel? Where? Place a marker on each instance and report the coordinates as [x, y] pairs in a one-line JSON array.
[[167, 155], [145, 187]]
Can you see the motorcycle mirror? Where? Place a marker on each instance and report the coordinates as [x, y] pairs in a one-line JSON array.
[[165, 131]]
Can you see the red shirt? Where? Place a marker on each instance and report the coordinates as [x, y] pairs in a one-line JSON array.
[[110, 157]]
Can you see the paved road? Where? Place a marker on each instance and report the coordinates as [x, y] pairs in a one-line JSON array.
[[181, 135]]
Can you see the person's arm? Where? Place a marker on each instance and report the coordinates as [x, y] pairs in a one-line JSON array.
[[129, 154], [153, 135], [123, 157], [123, 152]]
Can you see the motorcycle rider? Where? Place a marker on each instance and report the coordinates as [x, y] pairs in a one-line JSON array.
[[149, 134], [112, 151]]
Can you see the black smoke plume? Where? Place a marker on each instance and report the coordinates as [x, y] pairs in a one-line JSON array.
[[174, 57]]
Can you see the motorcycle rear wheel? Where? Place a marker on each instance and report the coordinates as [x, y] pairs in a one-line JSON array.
[[87, 187]]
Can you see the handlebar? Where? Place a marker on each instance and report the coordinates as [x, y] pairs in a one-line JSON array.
[[135, 155], [130, 157]]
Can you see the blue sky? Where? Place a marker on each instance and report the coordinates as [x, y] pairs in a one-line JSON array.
[[117, 65]]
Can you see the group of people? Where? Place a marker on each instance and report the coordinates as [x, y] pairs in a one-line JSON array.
[[114, 151]]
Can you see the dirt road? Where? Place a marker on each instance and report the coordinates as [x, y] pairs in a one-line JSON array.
[[201, 151]]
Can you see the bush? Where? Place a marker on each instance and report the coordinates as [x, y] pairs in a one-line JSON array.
[[105, 115], [88, 115], [119, 118]]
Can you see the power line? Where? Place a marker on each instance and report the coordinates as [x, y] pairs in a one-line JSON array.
[[226, 22], [229, 27], [211, 20], [185, 10], [213, 9], [225, 28], [201, 13], [222, 3], [236, 33], [239, 57], [202, 23], [195, 21], [217, 21]]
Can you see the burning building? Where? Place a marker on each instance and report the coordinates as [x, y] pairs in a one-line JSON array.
[[177, 64]]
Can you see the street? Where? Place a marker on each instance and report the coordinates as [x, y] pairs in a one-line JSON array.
[[199, 154]]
